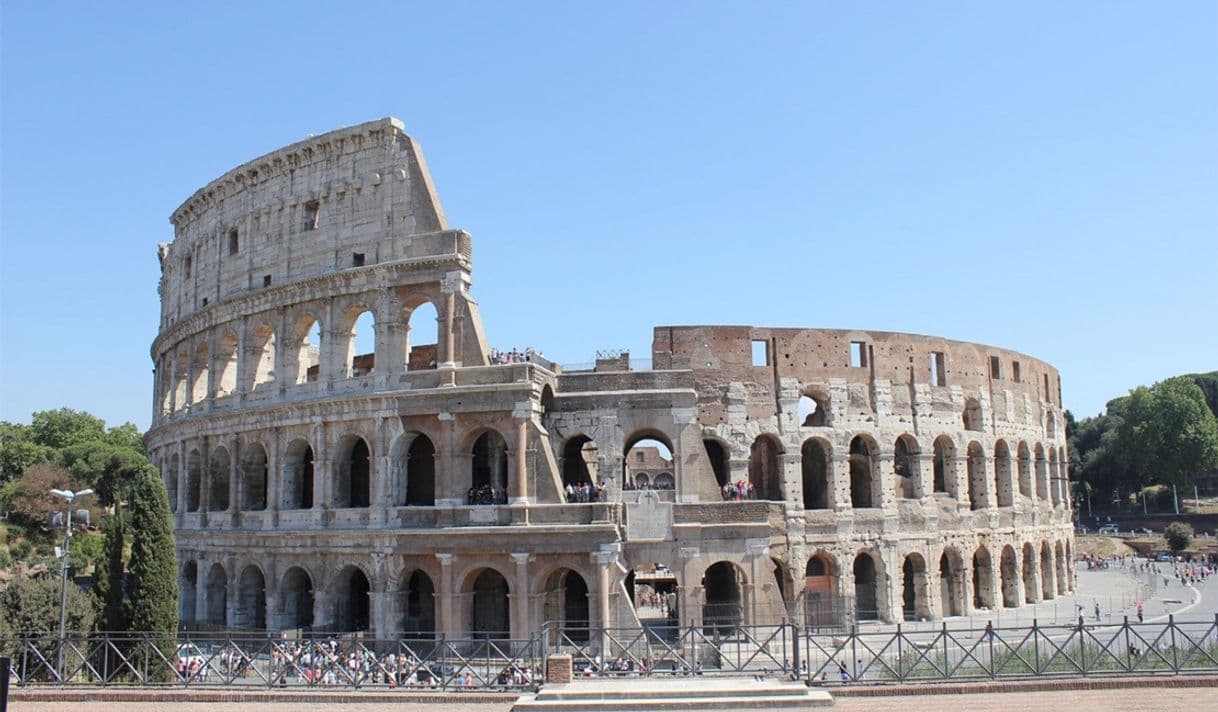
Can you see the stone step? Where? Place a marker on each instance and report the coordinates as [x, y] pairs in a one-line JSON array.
[[697, 695]]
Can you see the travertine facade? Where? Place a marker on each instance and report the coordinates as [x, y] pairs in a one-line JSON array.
[[418, 488]]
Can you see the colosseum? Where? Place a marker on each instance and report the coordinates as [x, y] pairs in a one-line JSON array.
[[344, 451]]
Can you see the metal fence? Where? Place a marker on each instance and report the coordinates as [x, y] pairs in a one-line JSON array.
[[855, 656]]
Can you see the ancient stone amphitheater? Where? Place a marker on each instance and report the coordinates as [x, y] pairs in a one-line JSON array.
[[344, 451]]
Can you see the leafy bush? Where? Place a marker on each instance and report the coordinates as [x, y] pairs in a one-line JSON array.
[[1178, 536]]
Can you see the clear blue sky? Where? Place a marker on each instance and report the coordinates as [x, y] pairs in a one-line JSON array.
[[1038, 176]]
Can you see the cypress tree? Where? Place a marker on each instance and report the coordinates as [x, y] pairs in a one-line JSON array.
[[108, 578], [153, 580]]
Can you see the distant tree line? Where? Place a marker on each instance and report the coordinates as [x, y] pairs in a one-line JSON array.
[[1146, 442]]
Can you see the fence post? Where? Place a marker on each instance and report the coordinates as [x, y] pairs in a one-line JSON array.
[[854, 659], [947, 663], [1128, 658], [900, 655], [989, 638], [1175, 655], [796, 668], [5, 664], [1036, 647], [1082, 645]]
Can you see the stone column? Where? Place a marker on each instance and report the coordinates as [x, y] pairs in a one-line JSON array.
[[603, 560], [883, 481], [183, 484], [448, 623], [519, 494], [382, 498], [958, 483], [202, 590], [519, 598], [236, 483], [1033, 596], [274, 494], [793, 478], [448, 489], [839, 481]]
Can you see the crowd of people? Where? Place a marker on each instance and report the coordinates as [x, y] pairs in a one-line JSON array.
[[585, 492], [739, 490], [514, 356], [486, 494]]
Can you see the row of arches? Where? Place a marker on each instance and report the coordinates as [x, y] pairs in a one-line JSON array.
[[299, 351]]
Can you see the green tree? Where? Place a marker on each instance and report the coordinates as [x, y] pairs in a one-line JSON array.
[[58, 429], [107, 467], [1168, 432], [153, 589], [108, 578], [18, 450], [1178, 536], [29, 500], [32, 606]]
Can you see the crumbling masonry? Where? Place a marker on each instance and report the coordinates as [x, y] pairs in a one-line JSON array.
[[420, 489]]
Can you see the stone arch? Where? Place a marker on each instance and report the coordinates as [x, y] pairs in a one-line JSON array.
[[546, 401], [868, 586], [489, 468], [1030, 589], [305, 349], [414, 458], [194, 480], [1050, 426], [915, 588], [983, 579], [1025, 469], [296, 599], [565, 602], [358, 344], [219, 469], [972, 415], [254, 478], [945, 466], [765, 468], [1042, 473], [634, 452], [641, 480], [717, 453], [352, 596], [813, 408], [490, 612], [181, 368], [1048, 588], [723, 585], [199, 370], [664, 481], [863, 472], [821, 590], [262, 356], [579, 460], [353, 473], [1009, 572], [422, 347], [171, 481], [416, 604], [251, 599], [906, 467], [298, 475], [1003, 486], [815, 459], [217, 596], [226, 363], [976, 476], [951, 581], [189, 587]]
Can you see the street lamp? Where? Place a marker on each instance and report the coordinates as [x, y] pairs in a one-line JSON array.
[[70, 496]]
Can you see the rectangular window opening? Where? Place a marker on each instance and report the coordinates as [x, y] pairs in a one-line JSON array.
[[312, 210], [233, 244], [1046, 386], [858, 354], [187, 265], [761, 352], [266, 280], [357, 259], [204, 301], [938, 369], [1015, 375], [995, 367]]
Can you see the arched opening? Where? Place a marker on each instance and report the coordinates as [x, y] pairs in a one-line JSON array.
[[983, 579], [198, 388], [490, 469], [951, 582], [546, 401], [653, 592], [1030, 588], [765, 469], [642, 481], [813, 409], [298, 476], [905, 467], [262, 342], [566, 603], [862, 473], [254, 478], [217, 596], [417, 608], [189, 590], [976, 476], [420, 483], [579, 459], [646, 452], [972, 415], [490, 614], [820, 592], [1003, 489], [171, 482], [194, 480], [218, 472], [724, 608], [296, 600], [664, 481], [866, 599], [1048, 590], [361, 346], [226, 364], [352, 487], [1025, 470], [717, 454], [915, 599], [814, 463], [1050, 426], [308, 350], [354, 603], [1009, 571], [251, 599], [1042, 474], [945, 466], [181, 369], [423, 338], [1054, 478]]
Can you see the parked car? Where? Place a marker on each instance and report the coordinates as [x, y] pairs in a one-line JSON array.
[[1109, 529], [1164, 556]]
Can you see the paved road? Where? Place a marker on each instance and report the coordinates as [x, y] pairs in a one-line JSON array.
[[1124, 700]]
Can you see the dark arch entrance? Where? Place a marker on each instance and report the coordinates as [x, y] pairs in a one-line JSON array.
[[724, 608], [354, 601], [566, 603], [296, 608], [815, 465], [861, 473], [717, 455], [490, 614], [418, 608], [298, 476], [358, 476], [765, 469], [578, 458], [951, 587], [866, 603], [490, 469], [421, 472], [251, 599]]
